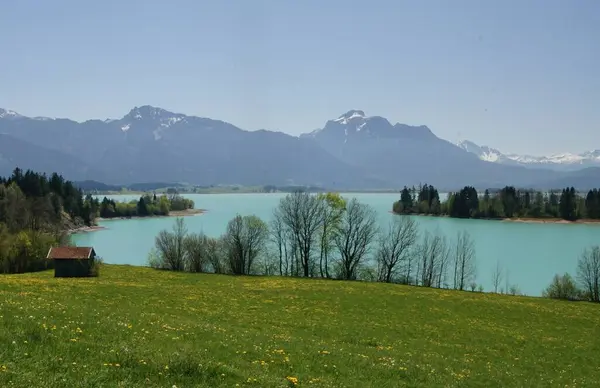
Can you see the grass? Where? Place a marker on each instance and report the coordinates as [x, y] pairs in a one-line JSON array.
[[135, 327]]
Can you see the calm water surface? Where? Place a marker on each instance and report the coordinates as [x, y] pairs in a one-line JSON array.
[[531, 253]]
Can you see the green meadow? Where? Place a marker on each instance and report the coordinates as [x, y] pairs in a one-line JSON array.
[[138, 327]]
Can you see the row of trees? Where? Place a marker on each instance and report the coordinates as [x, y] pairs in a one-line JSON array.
[[323, 236], [507, 202], [147, 205], [35, 213]]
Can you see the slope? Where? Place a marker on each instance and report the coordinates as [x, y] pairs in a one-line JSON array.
[[18, 153], [155, 328]]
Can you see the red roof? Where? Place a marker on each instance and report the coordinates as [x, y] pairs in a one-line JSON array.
[[70, 253]]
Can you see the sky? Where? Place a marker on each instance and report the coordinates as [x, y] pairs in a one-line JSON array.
[[521, 76]]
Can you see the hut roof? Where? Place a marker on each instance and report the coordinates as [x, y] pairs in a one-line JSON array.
[[70, 253]]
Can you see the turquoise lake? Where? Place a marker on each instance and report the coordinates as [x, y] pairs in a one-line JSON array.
[[530, 253]]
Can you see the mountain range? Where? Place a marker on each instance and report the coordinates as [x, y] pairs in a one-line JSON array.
[[352, 151], [559, 162]]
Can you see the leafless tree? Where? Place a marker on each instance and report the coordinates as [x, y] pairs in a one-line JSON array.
[[245, 239], [302, 214], [215, 255], [169, 247], [497, 277], [358, 229], [588, 273], [279, 234], [464, 261], [433, 256], [394, 247]]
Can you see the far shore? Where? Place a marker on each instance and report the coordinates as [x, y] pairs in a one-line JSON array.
[[530, 220], [551, 220]]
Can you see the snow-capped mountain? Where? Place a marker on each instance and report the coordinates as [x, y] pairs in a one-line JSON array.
[[354, 125], [151, 144], [410, 154], [561, 162]]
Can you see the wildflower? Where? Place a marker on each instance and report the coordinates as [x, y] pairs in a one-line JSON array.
[[292, 380]]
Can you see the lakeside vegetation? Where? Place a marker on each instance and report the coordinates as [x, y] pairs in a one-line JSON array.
[[322, 236], [326, 236], [36, 212], [506, 203], [146, 206]]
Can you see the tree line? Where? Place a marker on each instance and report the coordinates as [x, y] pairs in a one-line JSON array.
[[36, 211], [508, 202], [322, 236], [147, 205]]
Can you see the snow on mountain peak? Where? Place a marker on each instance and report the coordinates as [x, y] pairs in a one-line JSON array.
[[350, 115], [557, 160], [483, 152], [9, 114], [149, 112]]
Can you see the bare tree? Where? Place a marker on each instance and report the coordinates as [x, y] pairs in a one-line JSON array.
[[279, 234], [433, 255], [245, 239], [497, 277], [358, 229], [215, 255], [464, 261], [394, 247], [169, 247], [302, 214], [588, 273]]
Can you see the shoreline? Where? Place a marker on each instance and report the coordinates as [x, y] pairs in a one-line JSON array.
[[174, 213], [524, 220], [583, 221], [95, 228], [85, 229]]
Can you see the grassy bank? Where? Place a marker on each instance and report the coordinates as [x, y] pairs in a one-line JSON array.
[[139, 327]]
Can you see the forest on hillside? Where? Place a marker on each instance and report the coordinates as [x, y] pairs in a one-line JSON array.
[[39, 211], [36, 212]]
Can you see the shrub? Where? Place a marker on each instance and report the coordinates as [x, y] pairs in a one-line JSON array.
[[95, 267], [562, 287]]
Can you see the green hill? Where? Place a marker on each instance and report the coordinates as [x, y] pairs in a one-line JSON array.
[[138, 327]]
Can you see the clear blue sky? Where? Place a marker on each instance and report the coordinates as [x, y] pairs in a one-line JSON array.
[[522, 76]]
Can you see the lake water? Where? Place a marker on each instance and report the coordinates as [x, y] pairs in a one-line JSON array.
[[531, 253]]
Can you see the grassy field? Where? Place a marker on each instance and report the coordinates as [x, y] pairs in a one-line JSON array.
[[137, 327]]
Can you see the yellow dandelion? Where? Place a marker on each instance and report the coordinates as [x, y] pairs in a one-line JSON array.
[[292, 380]]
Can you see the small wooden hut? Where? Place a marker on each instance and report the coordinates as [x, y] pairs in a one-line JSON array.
[[72, 262]]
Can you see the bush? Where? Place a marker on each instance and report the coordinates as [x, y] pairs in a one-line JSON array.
[[562, 287], [95, 268]]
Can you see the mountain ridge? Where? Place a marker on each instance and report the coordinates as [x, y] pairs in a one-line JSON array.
[[352, 151], [561, 161]]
